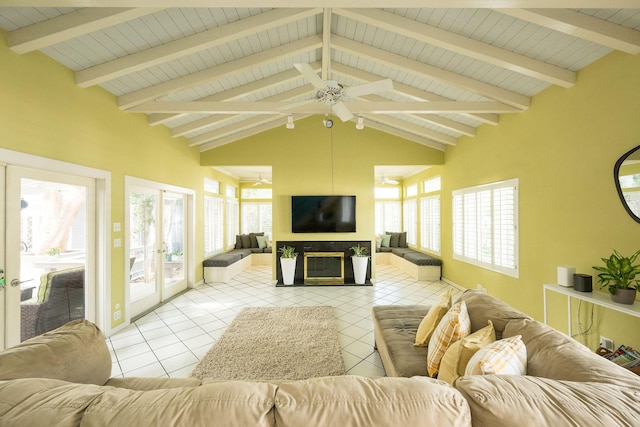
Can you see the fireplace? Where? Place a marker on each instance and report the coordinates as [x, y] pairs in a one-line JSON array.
[[324, 268]]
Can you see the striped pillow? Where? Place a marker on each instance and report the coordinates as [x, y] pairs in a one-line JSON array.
[[433, 318], [454, 326], [505, 357]]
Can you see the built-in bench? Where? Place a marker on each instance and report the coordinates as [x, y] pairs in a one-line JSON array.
[[414, 263], [221, 268]]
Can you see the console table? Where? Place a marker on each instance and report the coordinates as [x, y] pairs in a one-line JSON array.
[[596, 298]]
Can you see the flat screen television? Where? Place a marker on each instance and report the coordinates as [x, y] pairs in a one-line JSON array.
[[323, 214]]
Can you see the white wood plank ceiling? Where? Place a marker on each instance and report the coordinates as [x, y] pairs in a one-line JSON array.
[[216, 75]]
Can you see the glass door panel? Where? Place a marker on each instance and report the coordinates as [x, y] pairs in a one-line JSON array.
[[173, 232]]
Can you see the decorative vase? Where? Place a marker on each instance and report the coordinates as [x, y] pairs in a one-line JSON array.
[[624, 296], [360, 268], [288, 270]]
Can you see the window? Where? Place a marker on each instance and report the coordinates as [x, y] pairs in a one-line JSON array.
[[211, 186], [485, 225], [256, 217], [410, 212], [388, 217], [430, 223], [431, 185], [231, 192], [233, 222], [213, 224], [387, 192], [412, 190], [256, 193]]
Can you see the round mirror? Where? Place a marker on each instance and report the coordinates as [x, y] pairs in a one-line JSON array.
[[626, 174]]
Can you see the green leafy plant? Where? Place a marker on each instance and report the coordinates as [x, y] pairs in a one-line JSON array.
[[288, 252], [53, 251], [619, 272], [359, 251]]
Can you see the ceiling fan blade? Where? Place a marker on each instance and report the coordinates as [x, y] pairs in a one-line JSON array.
[[342, 111], [310, 75], [369, 88]]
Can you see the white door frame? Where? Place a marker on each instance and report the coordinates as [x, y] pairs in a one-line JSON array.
[[131, 182], [103, 221]]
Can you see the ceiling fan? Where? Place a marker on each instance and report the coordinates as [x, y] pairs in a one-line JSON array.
[[261, 181], [333, 93], [384, 180]]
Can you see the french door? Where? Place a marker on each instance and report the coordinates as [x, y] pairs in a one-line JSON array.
[[49, 252], [158, 243]]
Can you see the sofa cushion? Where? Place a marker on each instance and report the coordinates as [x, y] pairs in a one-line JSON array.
[[454, 326], [268, 250], [482, 307], [433, 317], [359, 401], [214, 404], [238, 242], [262, 241], [144, 383], [76, 352], [76, 273], [419, 258], [223, 260], [507, 356], [257, 250], [511, 400], [384, 249], [395, 328], [456, 358], [552, 354], [253, 237], [45, 402], [246, 241], [385, 241], [394, 240]]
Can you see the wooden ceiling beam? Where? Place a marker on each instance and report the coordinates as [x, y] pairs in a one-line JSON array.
[[582, 26], [430, 72], [249, 62], [189, 45], [463, 45], [70, 25]]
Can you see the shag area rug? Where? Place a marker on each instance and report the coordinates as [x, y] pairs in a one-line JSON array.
[[275, 343]]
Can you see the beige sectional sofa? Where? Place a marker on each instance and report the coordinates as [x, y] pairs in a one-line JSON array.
[[62, 379], [566, 384]]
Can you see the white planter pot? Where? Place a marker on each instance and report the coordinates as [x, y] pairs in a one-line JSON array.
[[288, 270], [360, 268]]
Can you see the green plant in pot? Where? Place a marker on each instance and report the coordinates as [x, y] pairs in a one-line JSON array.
[[359, 260], [288, 257], [619, 275]]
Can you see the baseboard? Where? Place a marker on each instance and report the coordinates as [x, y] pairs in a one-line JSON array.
[[455, 285]]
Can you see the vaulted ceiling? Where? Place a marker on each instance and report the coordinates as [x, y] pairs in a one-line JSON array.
[[216, 75]]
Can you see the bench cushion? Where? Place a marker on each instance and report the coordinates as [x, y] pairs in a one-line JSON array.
[[401, 251], [383, 249], [396, 327], [223, 260], [419, 258]]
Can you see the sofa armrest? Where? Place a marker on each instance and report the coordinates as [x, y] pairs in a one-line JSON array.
[[535, 401], [29, 312]]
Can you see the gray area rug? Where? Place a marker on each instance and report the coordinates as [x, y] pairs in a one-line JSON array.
[[275, 343]]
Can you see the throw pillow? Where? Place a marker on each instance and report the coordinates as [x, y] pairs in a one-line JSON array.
[[395, 240], [456, 358], [238, 242], [454, 326], [505, 357], [432, 319], [385, 241], [246, 241], [254, 238], [262, 241], [402, 242]]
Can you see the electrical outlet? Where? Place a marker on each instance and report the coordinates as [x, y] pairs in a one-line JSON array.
[[606, 343], [117, 314], [481, 288]]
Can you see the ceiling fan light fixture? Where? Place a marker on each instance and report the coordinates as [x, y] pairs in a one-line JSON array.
[[290, 124], [360, 123], [327, 122]]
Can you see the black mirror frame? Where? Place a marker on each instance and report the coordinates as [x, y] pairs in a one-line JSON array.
[[616, 172]]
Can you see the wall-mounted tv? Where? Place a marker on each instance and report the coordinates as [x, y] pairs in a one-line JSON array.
[[323, 214]]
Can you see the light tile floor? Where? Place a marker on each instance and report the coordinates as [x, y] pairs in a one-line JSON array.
[[170, 341]]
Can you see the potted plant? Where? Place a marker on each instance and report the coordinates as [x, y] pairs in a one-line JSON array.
[[52, 253], [359, 260], [619, 275], [288, 256]]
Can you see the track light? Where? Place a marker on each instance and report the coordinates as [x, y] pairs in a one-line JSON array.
[[360, 123], [290, 124], [328, 123]]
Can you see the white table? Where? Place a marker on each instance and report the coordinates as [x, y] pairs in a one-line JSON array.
[[597, 298]]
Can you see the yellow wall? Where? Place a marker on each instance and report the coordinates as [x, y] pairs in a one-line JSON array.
[[313, 160], [563, 150], [44, 113]]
